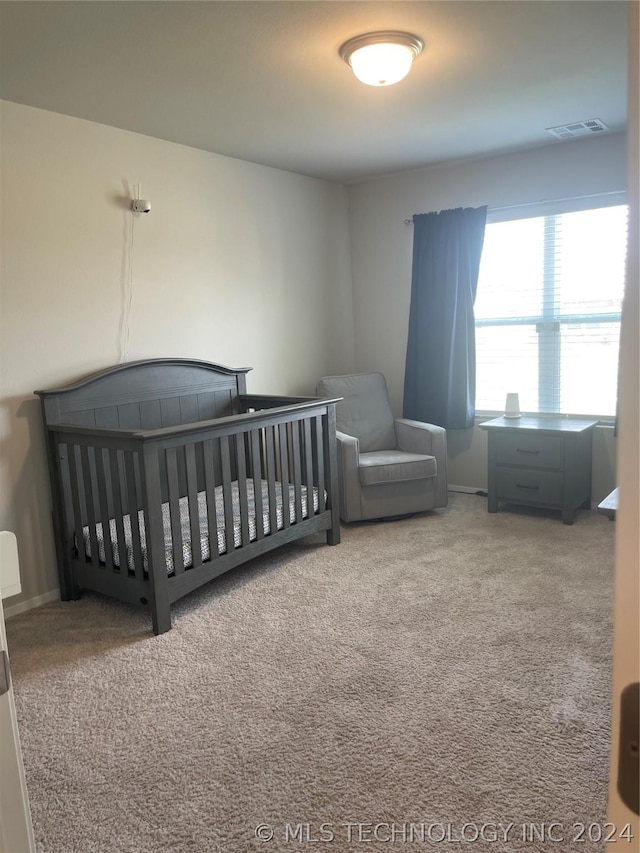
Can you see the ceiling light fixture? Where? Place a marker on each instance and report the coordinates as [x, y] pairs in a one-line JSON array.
[[381, 58]]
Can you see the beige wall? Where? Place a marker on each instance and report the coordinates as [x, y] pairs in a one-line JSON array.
[[236, 263], [381, 251]]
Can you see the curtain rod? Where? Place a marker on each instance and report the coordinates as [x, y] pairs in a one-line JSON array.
[[542, 201]]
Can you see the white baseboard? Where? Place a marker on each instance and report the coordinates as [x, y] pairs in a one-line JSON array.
[[31, 603]]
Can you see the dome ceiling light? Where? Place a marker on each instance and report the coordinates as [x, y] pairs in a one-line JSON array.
[[381, 58]]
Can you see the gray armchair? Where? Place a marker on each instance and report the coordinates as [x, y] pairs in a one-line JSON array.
[[386, 467]]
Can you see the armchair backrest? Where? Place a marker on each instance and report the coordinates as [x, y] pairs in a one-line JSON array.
[[364, 411]]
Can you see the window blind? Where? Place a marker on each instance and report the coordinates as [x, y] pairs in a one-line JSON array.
[[548, 309]]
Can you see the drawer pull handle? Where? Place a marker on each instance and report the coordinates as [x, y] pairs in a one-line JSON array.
[[530, 488], [520, 450]]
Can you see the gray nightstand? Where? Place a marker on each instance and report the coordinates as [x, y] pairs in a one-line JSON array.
[[540, 461]]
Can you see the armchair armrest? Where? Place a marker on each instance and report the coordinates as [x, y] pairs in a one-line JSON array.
[[348, 476], [418, 437], [349, 446]]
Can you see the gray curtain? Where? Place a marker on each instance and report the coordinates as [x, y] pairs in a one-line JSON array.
[[440, 370]]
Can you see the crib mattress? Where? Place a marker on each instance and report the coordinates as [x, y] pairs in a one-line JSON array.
[[205, 539]]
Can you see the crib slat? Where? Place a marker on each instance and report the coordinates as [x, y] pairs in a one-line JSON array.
[[75, 501], [89, 504], [257, 481], [263, 447], [132, 505], [194, 510], [117, 511], [284, 473], [104, 508], [319, 460], [308, 465], [270, 465], [210, 489], [297, 470], [227, 497], [242, 490], [174, 509]]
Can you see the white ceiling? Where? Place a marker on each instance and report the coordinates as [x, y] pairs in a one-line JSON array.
[[263, 81]]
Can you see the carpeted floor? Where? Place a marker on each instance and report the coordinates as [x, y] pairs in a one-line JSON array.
[[439, 677]]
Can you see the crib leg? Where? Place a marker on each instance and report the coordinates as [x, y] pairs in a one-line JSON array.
[[69, 590], [161, 616], [69, 594], [333, 538], [333, 533]]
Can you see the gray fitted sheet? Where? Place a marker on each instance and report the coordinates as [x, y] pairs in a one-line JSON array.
[[205, 544]]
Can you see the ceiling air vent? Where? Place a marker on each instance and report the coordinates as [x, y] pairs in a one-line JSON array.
[[578, 128]]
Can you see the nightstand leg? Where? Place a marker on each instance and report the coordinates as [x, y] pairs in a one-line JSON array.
[[568, 516], [492, 486]]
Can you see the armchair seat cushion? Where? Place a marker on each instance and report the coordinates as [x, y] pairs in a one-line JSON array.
[[392, 466]]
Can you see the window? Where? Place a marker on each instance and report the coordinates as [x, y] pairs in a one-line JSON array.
[[548, 311]]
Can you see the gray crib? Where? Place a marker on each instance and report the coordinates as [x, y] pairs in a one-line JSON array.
[[165, 473]]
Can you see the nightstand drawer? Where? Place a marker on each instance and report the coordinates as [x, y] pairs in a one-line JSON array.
[[521, 485], [529, 450]]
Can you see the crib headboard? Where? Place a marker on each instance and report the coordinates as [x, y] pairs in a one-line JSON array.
[[149, 394]]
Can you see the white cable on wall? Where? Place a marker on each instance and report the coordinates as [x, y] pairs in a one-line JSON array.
[[139, 206], [127, 292]]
